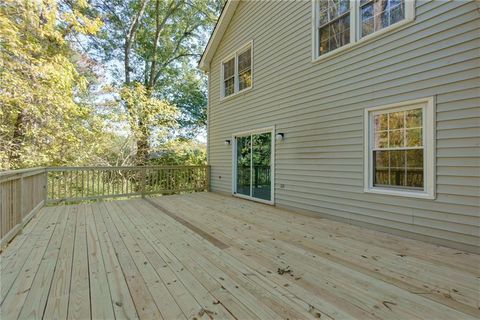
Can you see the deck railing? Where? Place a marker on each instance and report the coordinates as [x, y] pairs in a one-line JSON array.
[[24, 192]]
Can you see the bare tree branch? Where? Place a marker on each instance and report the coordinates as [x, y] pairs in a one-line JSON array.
[[159, 27], [130, 37]]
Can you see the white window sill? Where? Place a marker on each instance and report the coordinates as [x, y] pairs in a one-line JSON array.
[[378, 34], [236, 94], [401, 193]]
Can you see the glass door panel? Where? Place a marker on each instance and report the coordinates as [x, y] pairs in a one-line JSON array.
[[261, 158], [243, 165]]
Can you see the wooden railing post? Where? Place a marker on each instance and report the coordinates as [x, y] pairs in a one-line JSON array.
[[207, 178], [143, 176], [22, 204], [45, 187]]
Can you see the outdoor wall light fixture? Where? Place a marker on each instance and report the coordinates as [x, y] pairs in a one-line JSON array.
[[227, 142], [279, 136]]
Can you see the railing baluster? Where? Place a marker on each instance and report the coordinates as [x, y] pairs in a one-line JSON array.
[[83, 183], [59, 181], [98, 183], [90, 183]]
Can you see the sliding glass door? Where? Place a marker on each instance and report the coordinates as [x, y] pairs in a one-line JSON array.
[[244, 156], [253, 166]]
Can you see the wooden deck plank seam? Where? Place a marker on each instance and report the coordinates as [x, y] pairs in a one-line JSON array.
[[157, 248], [100, 254], [107, 213], [310, 302], [202, 310], [37, 267], [30, 249], [55, 268], [124, 303], [74, 265], [11, 285], [122, 266], [165, 284], [52, 304], [265, 310], [192, 227], [214, 221], [249, 274], [204, 270], [437, 298]]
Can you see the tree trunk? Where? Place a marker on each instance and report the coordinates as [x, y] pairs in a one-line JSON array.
[[159, 26], [143, 145], [17, 138], [130, 37], [127, 63], [379, 7]]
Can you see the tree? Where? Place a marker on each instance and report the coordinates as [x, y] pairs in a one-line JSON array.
[[180, 152], [187, 89], [43, 120], [146, 115], [155, 41]]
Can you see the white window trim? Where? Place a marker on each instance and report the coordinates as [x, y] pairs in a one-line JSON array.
[[428, 143], [355, 39], [234, 55]]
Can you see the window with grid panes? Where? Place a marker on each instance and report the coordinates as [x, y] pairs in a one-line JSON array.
[[334, 21], [245, 69], [398, 149], [339, 23], [229, 77], [237, 72]]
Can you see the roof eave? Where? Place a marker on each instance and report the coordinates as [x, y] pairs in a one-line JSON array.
[[218, 31]]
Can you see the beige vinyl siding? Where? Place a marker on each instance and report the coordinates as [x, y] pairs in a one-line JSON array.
[[319, 106]]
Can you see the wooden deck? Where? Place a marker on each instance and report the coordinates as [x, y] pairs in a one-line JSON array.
[[207, 256]]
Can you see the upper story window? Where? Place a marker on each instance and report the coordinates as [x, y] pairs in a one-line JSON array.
[[229, 77], [334, 20], [342, 23], [379, 14], [237, 72], [399, 149]]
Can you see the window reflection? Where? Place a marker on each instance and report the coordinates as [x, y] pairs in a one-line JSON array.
[[378, 14], [398, 149]]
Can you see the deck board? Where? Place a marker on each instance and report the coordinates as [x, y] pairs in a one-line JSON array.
[[160, 258], [79, 297]]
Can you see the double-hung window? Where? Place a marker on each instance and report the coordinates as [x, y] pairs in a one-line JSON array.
[[399, 149], [378, 14], [334, 21], [229, 77], [236, 72], [342, 23]]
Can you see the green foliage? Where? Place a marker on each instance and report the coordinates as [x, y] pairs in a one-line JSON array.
[[187, 91], [157, 44], [42, 120], [144, 111], [180, 152], [55, 55]]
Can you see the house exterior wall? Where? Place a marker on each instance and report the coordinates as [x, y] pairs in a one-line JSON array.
[[319, 106]]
